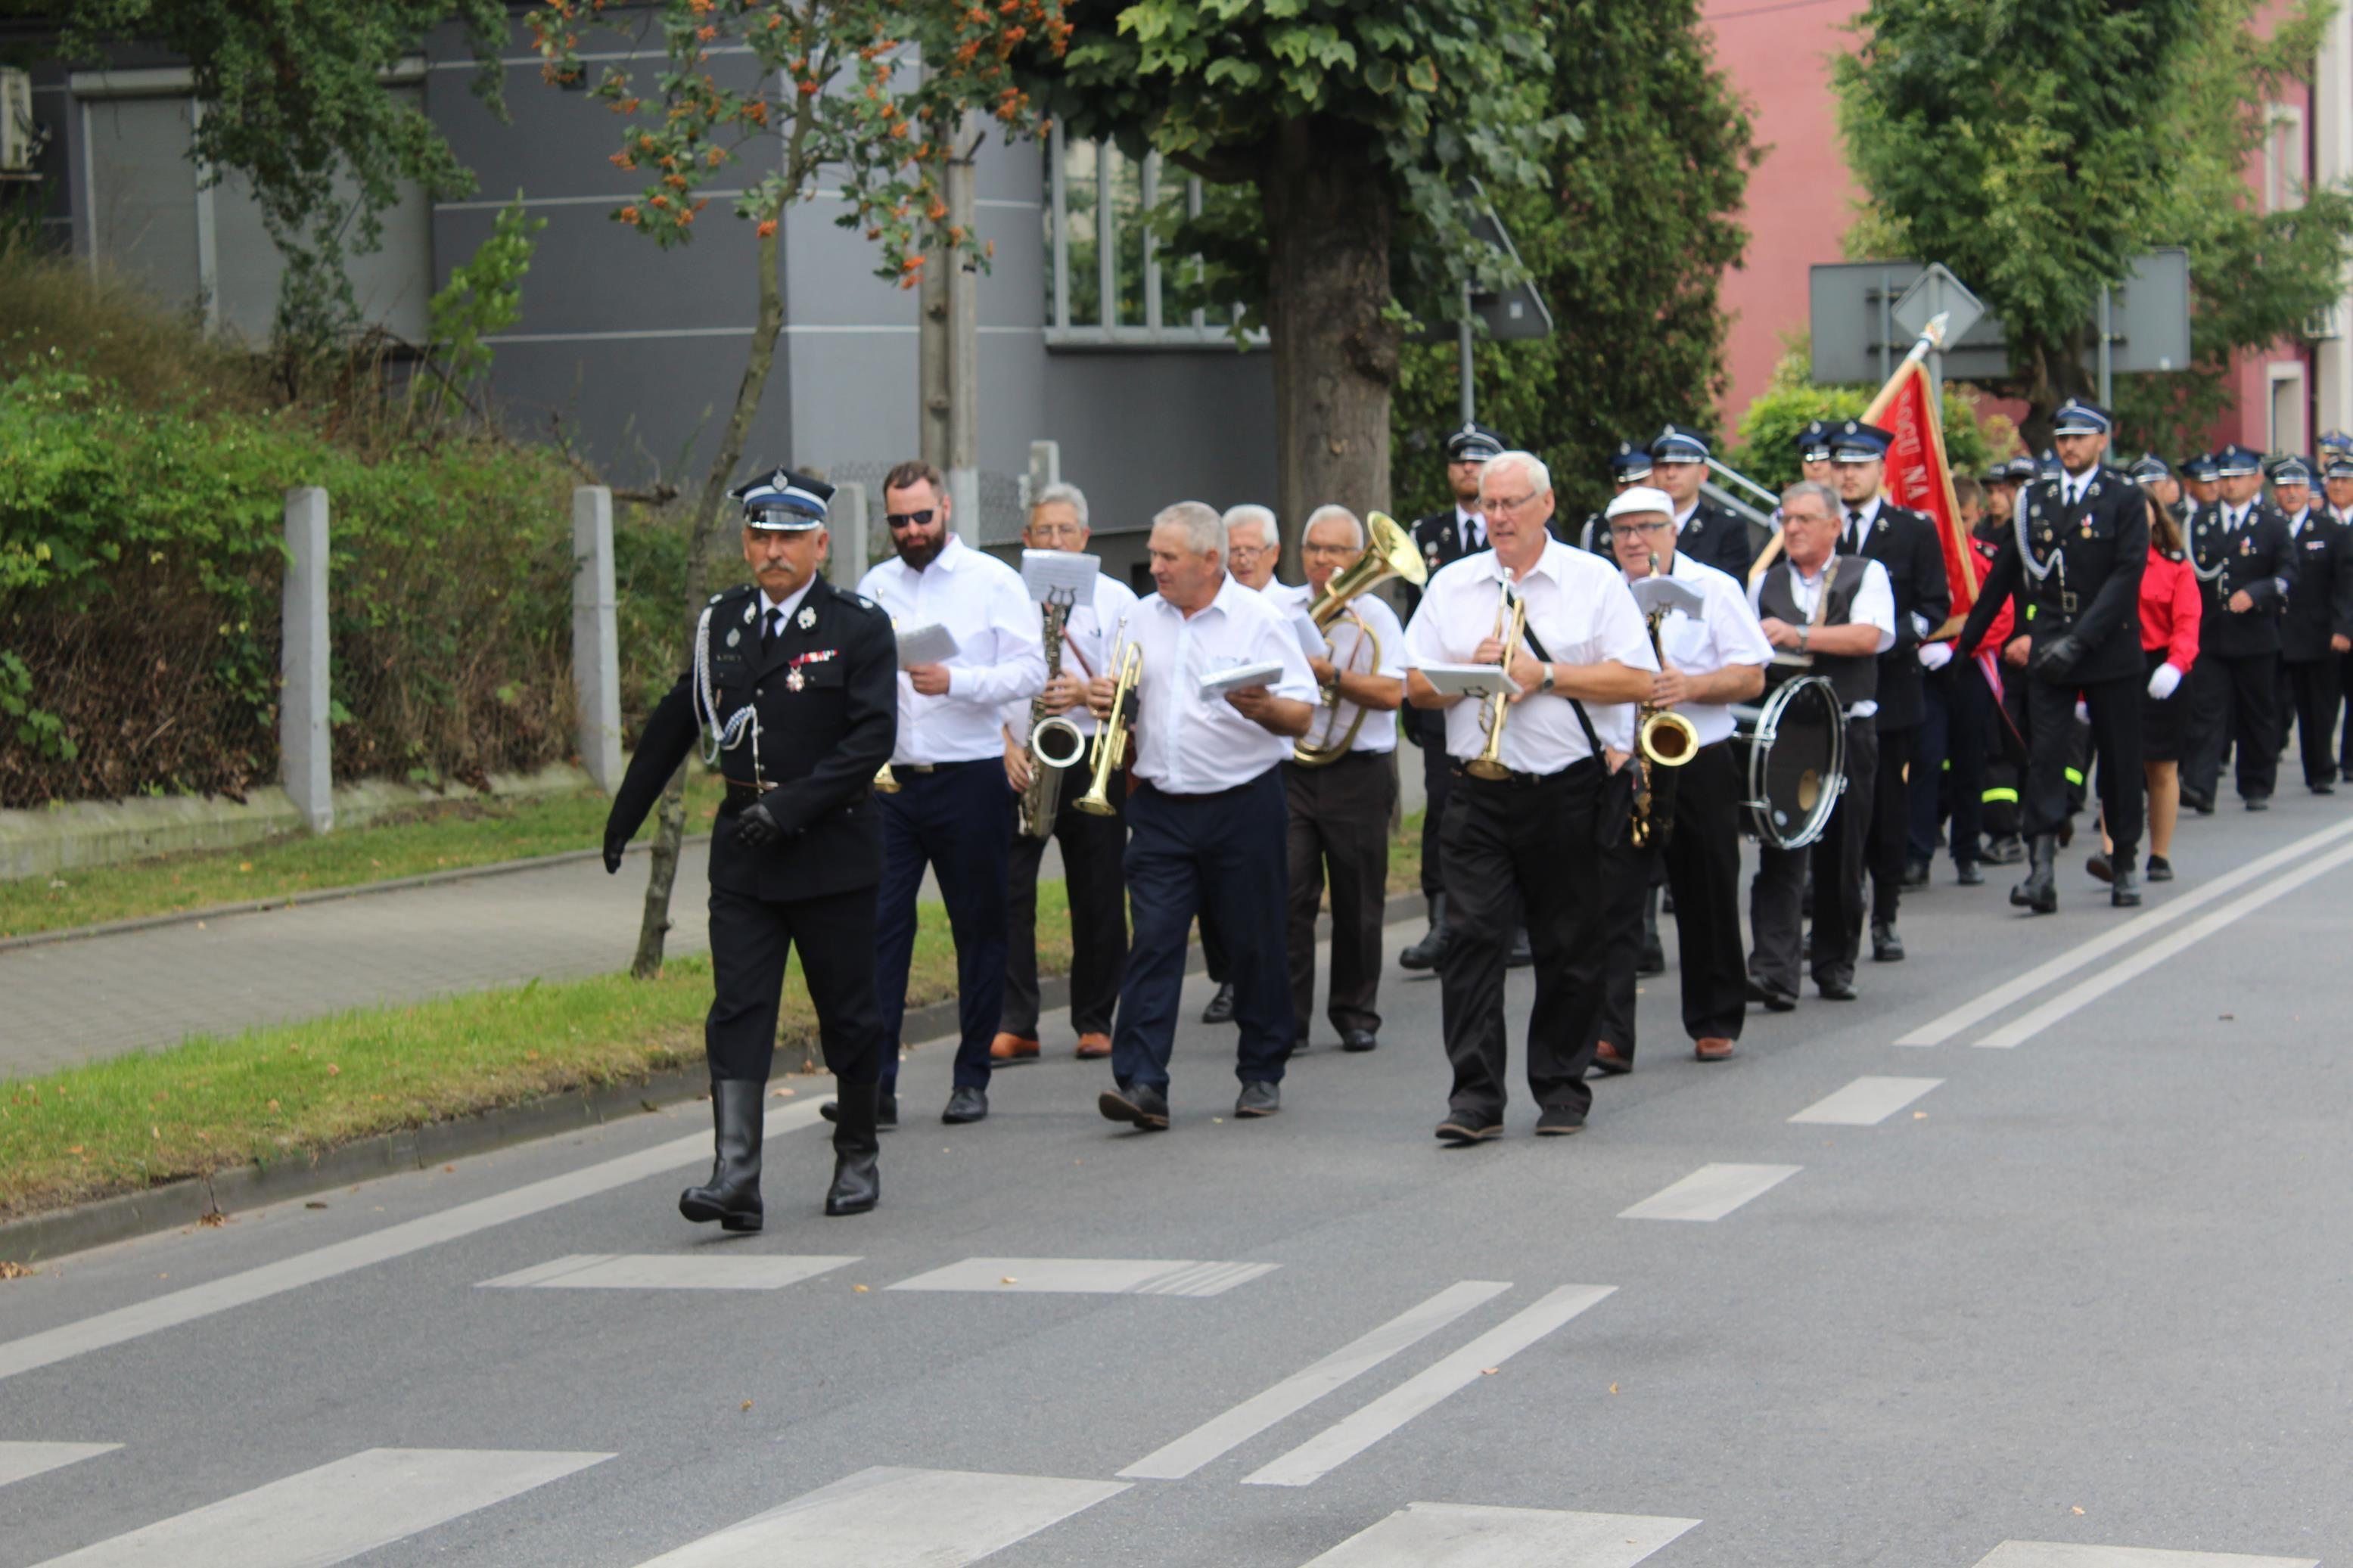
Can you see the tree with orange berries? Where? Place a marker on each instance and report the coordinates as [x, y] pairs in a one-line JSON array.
[[857, 97]]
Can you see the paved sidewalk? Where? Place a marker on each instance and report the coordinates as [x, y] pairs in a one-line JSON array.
[[74, 1002]]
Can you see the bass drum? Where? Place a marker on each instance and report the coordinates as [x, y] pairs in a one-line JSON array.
[[1796, 747]]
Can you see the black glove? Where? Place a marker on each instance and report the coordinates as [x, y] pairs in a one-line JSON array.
[[755, 828], [614, 849], [2054, 658]]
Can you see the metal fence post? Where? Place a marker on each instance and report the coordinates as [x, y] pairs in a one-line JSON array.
[[596, 636], [846, 523], [305, 756]]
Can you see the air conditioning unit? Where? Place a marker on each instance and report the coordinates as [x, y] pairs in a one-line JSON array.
[[2326, 325], [20, 135]]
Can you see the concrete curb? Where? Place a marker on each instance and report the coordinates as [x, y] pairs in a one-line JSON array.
[[320, 896], [44, 1236]]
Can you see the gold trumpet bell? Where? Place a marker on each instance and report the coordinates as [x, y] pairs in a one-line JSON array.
[[1667, 740]]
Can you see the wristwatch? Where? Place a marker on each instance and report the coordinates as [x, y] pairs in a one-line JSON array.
[[1803, 633], [1548, 683]]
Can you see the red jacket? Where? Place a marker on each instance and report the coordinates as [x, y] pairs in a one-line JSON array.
[[1997, 635], [2169, 602]]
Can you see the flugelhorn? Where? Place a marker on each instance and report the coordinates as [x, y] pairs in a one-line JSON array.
[[1110, 735], [1389, 553], [1511, 621]]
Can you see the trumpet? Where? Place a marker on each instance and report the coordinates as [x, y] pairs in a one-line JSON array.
[[1110, 735], [1054, 742], [1662, 739], [1511, 621], [1389, 553]]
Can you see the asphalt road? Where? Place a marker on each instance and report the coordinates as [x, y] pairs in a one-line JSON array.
[[2081, 1279]]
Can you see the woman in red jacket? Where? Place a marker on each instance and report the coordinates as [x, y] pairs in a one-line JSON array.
[[2168, 638]]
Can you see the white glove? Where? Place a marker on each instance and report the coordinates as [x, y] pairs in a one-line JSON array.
[[2164, 681], [1936, 655], [2082, 711]]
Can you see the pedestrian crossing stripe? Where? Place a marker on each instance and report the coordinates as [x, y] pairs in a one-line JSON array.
[[1452, 1535], [2058, 1554], [669, 1271], [1088, 1276], [1711, 1192], [940, 1518], [22, 1461]]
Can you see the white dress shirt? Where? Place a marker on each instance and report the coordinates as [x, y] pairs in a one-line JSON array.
[[784, 610], [1852, 535], [1470, 531], [1725, 633], [1579, 606], [1188, 744], [1378, 732], [2295, 524], [1088, 632], [1000, 657], [1874, 605]]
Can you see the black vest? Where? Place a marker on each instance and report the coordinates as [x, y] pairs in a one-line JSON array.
[[1855, 677]]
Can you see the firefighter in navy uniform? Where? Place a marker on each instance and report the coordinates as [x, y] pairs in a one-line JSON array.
[[2319, 624], [2240, 551], [1707, 532], [1630, 465], [798, 681], [2075, 560]]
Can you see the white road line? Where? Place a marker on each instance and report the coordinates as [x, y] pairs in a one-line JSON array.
[[939, 1519], [1088, 1276], [2054, 1554], [667, 1271], [126, 1324], [20, 1461], [1452, 1535], [1711, 1192], [1352, 1435], [337, 1511], [1936, 1031], [2032, 1024], [1867, 1101], [1222, 1434]]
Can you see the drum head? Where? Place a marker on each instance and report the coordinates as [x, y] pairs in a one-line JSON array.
[[1795, 763]]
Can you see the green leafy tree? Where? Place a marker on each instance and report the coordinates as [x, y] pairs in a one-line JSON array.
[[1628, 232], [2037, 149], [482, 298], [867, 98], [1348, 134]]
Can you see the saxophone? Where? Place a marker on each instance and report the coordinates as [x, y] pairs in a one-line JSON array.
[[1055, 743]]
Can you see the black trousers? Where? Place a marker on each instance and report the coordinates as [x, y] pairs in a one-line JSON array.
[[957, 820], [1437, 781], [750, 940], [1890, 834], [1973, 737], [2233, 702], [1097, 889], [1932, 750], [1222, 855], [1777, 893], [2053, 756], [1509, 845], [1339, 828], [2312, 686], [1702, 860]]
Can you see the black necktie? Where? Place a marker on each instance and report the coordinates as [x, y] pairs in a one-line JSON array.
[[1470, 534], [1855, 531], [769, 629]]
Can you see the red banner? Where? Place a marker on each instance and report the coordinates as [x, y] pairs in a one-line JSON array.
[[1919, 477]]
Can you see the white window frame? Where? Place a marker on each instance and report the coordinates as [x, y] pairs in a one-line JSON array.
[[2284, 171], [2277, 374], [1194, 331]]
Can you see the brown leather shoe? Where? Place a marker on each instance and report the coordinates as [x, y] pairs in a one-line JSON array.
[[1606, 1057], [1715, 1048], [1094, 1045], [1013, 1049]]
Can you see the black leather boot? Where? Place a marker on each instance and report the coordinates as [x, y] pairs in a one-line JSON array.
[[731, 1197], [1425, 953], [856, 1183], [2124, 892], [2039, 891]]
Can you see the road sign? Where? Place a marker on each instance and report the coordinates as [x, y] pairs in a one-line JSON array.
[[1937, 292]]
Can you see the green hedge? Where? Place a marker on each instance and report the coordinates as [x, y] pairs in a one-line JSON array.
[[141, 567]]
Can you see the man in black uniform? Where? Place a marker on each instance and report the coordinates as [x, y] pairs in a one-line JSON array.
[[2239, 550], [1814, 451], [1630, 465], [1704, 531], [2318, 625], [2074, 560], [797, 682], [1905, 542], [2337, 494], [1443, 537]]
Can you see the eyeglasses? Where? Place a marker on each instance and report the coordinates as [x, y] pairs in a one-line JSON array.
[[1822, 517], [1625, 525], [1244, 552], [1497, 503], [1329, 549], [899, 519]]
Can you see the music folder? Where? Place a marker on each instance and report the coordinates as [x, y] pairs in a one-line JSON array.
[[1480, 681], [930, 643], [1218, 683]]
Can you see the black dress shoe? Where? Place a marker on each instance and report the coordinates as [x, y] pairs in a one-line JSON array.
[[886, 1110], [2323, 787], [2099, 868], [1521, 954], [966, 1104], [1969, 875], [731, 1195], [1463, 1127], [2125, 891], [2008, 850], [1609, 1061], [1425, 953], [1358, 1040], [1774, 1001], [1886, 947], [1916, 874], [1220, 1009], [2259, 802], [1259, 1098], [1557, 1121], [2198, 801], [1141, 1105], [2160, 869], [1836, 990]]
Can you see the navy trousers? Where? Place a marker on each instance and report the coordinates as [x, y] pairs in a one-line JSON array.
[[958, 820], [1220, 856]]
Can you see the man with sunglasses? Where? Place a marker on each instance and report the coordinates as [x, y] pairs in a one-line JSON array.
[[953, 810]]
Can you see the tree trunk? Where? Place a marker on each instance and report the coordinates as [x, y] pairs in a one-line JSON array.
[[702, 523], [1329, 218]]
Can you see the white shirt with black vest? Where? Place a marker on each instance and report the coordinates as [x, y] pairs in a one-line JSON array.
[[1000, 654], [1725, 633], [1581, 610], [1187, 743], [1089, 630], [1874, 605], [1378, 732]]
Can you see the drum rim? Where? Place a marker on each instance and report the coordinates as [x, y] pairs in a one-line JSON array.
[[1768, 729]]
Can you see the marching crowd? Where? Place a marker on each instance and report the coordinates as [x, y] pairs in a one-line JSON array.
[[1592, 707]]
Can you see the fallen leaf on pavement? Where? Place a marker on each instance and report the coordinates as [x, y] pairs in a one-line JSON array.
[[1489, 1371], [314, 1203], [2079, 1510], [747, 1404], [10, 1269], [1613, 1388], [860, 1289], [1919, 1116], [1008, 1279], [215, 1219]]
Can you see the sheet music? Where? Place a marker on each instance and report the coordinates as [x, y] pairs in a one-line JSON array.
[[930, 643], [1214, 686], [1066, 572], [1468, 680]]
